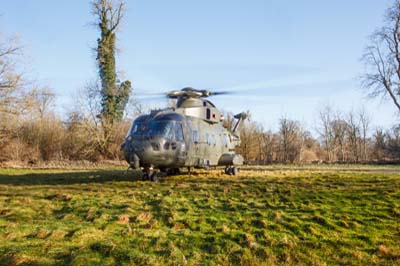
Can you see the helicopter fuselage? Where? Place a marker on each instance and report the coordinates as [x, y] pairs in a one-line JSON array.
[[190, 135]]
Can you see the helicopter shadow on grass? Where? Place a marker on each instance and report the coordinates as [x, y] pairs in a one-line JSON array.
[[78, 177], [69, 178]]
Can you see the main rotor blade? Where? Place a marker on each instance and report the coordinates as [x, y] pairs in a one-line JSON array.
[[222, 93]]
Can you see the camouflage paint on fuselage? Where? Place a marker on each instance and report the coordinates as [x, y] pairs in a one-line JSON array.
[[190, 135]]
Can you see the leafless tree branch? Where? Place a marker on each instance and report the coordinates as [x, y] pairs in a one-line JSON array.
[[382, 59]]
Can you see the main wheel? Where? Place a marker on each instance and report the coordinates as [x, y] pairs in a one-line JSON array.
[[228, 170], [153, 177], [234, 170]]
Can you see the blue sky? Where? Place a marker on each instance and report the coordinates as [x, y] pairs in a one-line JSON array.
[[291, 57]]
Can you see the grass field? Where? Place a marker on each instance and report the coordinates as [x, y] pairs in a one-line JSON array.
[[273, 216]]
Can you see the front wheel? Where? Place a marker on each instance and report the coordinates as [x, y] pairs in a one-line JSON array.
[[153, 177], [149, 174]]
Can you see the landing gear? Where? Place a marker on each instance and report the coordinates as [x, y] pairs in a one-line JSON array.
[[231, 170], [153, 177], [149, 174], [234, 170]]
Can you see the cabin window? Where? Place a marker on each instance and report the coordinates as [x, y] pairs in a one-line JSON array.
[[178, 132], [195, 137], [204, 104], [208, 116], [225, 140]]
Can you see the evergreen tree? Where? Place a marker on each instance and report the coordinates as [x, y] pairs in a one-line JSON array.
[[115, 94]]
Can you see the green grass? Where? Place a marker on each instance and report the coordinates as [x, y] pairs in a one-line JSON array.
[[274, 217]]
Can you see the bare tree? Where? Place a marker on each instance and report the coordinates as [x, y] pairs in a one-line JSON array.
[[247, 141], [353, 135], [325, 130], [379, 144], [259, 143], [39, 100], [291, 140], [252, 145], [382, 58], [11, 91], [393, 142], [10, 79], [270, 146], [365, 121], [9, 51], [339, 127]]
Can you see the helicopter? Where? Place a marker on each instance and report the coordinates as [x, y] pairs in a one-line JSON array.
[[191, 134]]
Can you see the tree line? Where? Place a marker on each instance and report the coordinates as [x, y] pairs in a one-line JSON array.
[[31, 130], [339, 138]]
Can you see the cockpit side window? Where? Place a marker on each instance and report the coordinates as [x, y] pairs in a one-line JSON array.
[[134, 129], [138, 128], [225, 140], [195, 137]]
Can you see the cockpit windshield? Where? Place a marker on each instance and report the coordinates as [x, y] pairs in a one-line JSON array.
[[160, 129], [169, 129]]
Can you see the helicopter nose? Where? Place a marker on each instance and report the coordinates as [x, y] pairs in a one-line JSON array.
[[163, 145], [156, 146], [169, 145], [158, 152]]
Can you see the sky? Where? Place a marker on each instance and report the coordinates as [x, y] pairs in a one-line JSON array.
[[282, 58]]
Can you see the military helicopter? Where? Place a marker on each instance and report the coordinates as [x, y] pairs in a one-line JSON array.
[[191, 134]]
